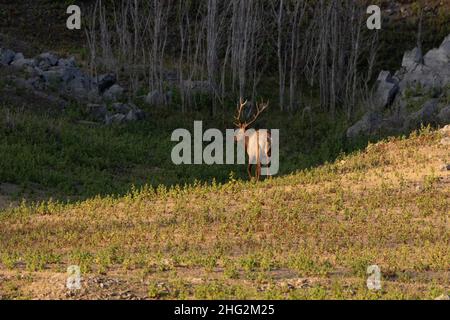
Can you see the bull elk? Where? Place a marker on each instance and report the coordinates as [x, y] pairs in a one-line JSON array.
[[257, 142]]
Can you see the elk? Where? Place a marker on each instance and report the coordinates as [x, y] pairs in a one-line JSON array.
[[257, 142]]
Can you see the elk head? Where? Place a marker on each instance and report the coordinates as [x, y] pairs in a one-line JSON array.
[[244, 125]]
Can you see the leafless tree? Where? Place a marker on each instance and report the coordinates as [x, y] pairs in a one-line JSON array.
[[230, 44]]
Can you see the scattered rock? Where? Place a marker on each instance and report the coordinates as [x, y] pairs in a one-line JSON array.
[[433, 72], [18, 56], [106, 81], [115, 119], [440, 57], [53, 78], [420, 76], [387, 89], [22, 63], [426, 115], [446, 167], [122, 113], [114, 93], [50, 78], [391, 125], [77, 88], [366, 126], [121, 108], [70, 62], [6, 56], [444, 115], [130, 116], [135, 115], [155, 98], [412, 58], [47, 58]]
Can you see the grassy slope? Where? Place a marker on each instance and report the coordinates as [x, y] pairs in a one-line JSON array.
[[308, 235], [46, 152]]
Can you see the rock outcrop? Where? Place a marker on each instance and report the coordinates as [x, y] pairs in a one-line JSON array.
[[59, 80], [416, 95]]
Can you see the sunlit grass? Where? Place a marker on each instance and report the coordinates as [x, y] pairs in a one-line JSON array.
[[308, 235]]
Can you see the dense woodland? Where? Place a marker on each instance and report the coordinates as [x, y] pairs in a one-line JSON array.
[[238, 49]]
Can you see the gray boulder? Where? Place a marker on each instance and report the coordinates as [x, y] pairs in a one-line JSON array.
[[53, 78], [390, 125], [422, 76], [131, 116], [440, 57], [65, 73], [135, 115], [426, 115], [411, 59], [22, 63], [77, 88], [121, 108], [387, 89], [155, 98], [51, 58], [368, 125], [114, 93], [18, 56], [106, 81], [70, 62], [444, 116], [46, 60], [431, 71], [37, 83], [70, 73], [115, 119], [69, 80], [6, 56]]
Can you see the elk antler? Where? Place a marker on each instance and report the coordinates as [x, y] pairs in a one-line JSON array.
[[239, 110], [260, 107]]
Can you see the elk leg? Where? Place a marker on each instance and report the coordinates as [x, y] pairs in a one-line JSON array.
[[269, 154], [258, 160], [249, 171], [258, 171]]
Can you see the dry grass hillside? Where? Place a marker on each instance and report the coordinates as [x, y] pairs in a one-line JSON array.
[[308, 235]]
